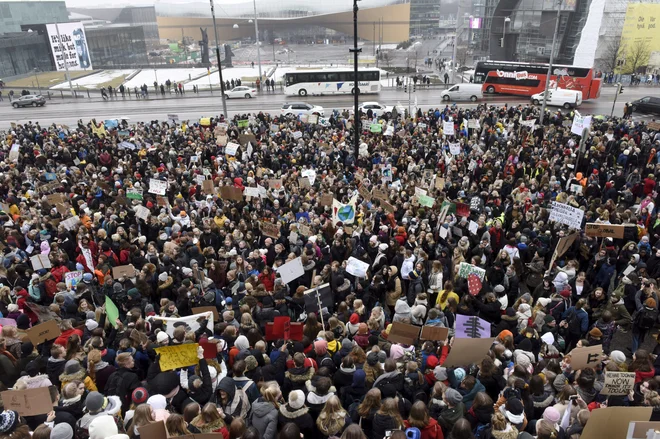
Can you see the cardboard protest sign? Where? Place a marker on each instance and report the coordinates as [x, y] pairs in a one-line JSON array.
[[244, 139], [40, 262], [364, 192], [270, 229], [604, 230], [567, 215], [173, 357], [435, 333], [303, 182], [28, 402], [43, 332], [613, 422], [640, 430], [387, 206], [154, 430], [231, 193], [439, 183], [202, 309], [589, 356], [291, 271], [403, 333], [123, 271], [618, 383], [465, 351], [207, 187], [326, 199]]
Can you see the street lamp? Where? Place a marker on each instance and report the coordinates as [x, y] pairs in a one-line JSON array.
[[37, 78], [217, 54], [552, 57], [506, 20], [356, 90]]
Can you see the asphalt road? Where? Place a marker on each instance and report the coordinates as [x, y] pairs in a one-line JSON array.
[[192, 107]]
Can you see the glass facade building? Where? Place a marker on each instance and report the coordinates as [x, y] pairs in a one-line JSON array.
[[116, 46], [15, 14]]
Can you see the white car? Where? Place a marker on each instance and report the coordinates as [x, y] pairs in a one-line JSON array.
[[298, 108], [241, 92], [376, 108]]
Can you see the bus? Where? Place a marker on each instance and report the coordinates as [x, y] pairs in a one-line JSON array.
[[526, 79], [330, 82]]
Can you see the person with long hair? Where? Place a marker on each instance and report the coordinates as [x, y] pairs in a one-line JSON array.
[[265, 411], [176, 425], [353, 432], [333, 419], [445, 294], [419, 418], [210, 421], [98, 370], [364, 414], [143, 416], [386, 418]]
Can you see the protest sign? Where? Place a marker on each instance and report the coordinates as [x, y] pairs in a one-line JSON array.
[[244, 139], [274, 128], [231, 148], [376, 128], [364, 192], [251, 192], [643, 430], [326, 199], [275, 183], [471, 327], [426, 201], [465, 351], [604, 230], [142, 212], [231, 193], [125, 271], [580, 123], [588, 356], [473, 227], [111, 311], [297, 135], [72, 278], [207, 187], [310, 174], [134, 194], [576, 189], [403, 333], [7, 322], [567, 215], [203, 309], [157, 187], [28, 402], [455, 148], [356, 267], [71, 223], [191, 323], [40, 262], [618, 383], [210, 350], [174, 357], [614, 422], [562, 247], [321, 294], [465, 269], [303, 182], [448, 128], [473, 124], [153, 430], [439, 183], [243, 123], [43, 332], [291, 271], [435, 333], [270, 229]]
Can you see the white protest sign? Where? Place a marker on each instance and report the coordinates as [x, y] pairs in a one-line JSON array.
[[157, 187], [455, 148], [528, 123], [142, 212], [618, 383], [473, 123], [251, 192], [580, 123], [231, 148], [356, 267], [548, 338], [190, 322], [473, 227], [71, 223], [567, 215], [448, 128], [576, 189], [291, 270], [311, 174], [297, 135]]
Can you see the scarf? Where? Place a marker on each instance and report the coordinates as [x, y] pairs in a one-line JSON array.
[[100, 365], [71, 401]]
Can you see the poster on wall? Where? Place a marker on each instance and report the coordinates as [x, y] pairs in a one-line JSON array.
[[72, 48]]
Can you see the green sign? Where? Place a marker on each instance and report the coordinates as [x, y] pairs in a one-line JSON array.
[[134, 194], [376, 128], [243, 123], [425, 200]]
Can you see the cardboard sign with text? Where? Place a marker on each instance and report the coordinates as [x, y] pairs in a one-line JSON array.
[[231, 193], [364, 192], [125, 271], [613, 422], [618, 383], [403, 333], [434, 333], [28, 402], [202, 309], [243, 139], [589, 356], [46, 331], [604, 230], [326, 199], [155, 430], [270, 229], [207, 187], [465, 351], [174, 357]]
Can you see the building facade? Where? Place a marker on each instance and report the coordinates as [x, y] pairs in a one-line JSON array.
[[425, 17], [116, 46], [143, 16], [15, 14], [23, 52]]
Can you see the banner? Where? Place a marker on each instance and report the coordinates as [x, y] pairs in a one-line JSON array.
[[174, 357], [190, 322], [618, 383], [70, 46], [567, 215], [344, 213]]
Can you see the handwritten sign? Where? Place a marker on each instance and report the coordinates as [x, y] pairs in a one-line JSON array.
[[448, 128], [174, 357], [471, 327], [231, 148], [589, 356], [157, 187], [618, 383], [275, 183], [72, 278], [435, 333], [43, 332], [565, 214], [604, 230], [291, 270], [40, 262], [28, 402], [125, 271], [357, 267], [203, 309], [465, 351], [270, 229]]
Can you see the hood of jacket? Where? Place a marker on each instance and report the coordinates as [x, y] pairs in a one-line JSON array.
[[402, 307], [300, 374], [289, 413], [261, 408], [393, 271], [209, 426], [68, 377]]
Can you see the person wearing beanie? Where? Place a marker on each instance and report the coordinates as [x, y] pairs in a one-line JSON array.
[[514, 412], [10, 423], [353, 325], [344, 350], [61, 431], [301, 372], [105, 427], [74, 372], [454, 411], [296, 412], [356, 390]]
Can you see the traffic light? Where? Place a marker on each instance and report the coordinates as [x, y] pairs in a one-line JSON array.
[[620, 89], [405, 87], [501, 42], [414, 87]]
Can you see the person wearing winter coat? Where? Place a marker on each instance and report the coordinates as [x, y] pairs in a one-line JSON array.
[[387, 418], [617, 308], [73, 372], [415, 287], [453, 411], [419, 418], [210, 420], [333, 419], [295, 378], [265, 411], [394, 288], [123, 381], [233, 401], [402, 311], [296, 412], [572, 334]]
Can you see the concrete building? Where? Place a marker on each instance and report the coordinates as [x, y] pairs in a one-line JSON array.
[[144, 16], [15, 14]]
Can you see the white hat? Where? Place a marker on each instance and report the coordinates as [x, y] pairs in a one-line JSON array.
[[91, 324], [382, 247], [162, 336], [297, 399], [163, 276]]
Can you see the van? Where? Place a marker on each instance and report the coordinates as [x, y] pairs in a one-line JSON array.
[[560, 98], [463, 92], [647, 104]]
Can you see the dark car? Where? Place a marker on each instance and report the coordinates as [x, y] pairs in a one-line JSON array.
[[29, 100], [647, 104]]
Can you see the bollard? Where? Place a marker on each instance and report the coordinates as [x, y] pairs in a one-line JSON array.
[[211, 87], [88, 97], [62, 93]]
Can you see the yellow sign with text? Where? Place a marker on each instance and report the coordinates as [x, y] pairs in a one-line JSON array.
[[640, 44], [174, 357]]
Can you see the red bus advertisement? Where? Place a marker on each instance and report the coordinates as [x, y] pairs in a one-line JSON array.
[[526, 79]]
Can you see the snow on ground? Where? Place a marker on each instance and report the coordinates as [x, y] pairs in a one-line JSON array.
[[95, 80], [148, 76], [229, 74]]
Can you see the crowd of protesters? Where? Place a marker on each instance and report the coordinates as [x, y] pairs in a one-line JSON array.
[[343, 378]]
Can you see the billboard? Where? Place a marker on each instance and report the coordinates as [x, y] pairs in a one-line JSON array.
[[640, 31], [476, 22], [72, 48]]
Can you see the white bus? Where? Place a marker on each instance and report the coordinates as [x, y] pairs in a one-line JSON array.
[[330, 82]]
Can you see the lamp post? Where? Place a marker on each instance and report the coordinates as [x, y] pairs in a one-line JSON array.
[[217, 54], [256, 32], [37, 78], [552, 57], [356, 91]]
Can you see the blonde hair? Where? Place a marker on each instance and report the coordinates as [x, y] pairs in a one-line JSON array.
[[332, 418]]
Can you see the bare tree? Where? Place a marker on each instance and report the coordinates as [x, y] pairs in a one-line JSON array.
[[637, 56], [613, 53], [386, 57]]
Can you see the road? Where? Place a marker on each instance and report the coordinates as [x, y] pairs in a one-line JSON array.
[[192, 107]]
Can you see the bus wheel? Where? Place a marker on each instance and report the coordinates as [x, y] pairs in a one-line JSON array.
[[302, 92], [473, 98], [490, 89], [567, 105], [536, 102]]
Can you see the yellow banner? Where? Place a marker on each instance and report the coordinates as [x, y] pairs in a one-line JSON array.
[[174, 357], [640, 45]]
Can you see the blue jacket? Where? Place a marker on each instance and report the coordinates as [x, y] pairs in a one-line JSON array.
[[581, 314]]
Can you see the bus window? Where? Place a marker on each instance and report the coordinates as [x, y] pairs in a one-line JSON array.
[[333, 77]]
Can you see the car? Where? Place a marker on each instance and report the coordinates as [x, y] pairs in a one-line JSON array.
[[29, 100], [241, 92], [647, 104], [463, 92], [298, 108], [376, 108], [559, 98]]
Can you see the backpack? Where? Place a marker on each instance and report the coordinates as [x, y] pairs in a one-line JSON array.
[[481, 430], [646, 318], [574, 325]]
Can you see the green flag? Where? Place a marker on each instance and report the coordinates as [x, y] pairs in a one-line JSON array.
[[111, 311]]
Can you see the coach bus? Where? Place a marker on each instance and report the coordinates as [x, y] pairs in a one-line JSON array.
[[526, 79], [330, 82]]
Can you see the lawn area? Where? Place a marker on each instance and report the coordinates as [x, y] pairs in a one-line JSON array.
[[46, 79]]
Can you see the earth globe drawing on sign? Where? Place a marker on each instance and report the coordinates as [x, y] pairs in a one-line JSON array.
[[345, 213]]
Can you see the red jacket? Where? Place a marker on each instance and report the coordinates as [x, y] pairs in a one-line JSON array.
[[64, 337], [431, 431]]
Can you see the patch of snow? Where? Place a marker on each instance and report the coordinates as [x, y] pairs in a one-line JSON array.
[[95, 80]]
